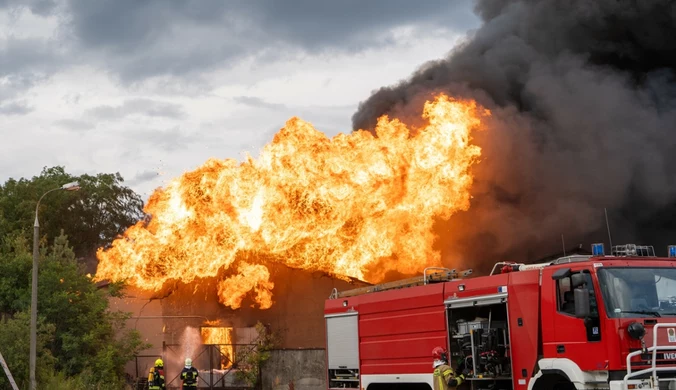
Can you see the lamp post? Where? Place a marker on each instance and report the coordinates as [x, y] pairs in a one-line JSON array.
[[74, 186]]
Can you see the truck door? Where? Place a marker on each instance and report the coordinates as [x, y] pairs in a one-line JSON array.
[[564, 335]]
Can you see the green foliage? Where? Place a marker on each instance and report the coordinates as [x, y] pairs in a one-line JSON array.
[[81, 337], [15, 348], [16, 264], [82, 344], [84, 326], [59, 381], [250, 361], [92, 217]]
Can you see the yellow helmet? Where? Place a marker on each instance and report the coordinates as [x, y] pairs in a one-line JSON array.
[[159, 363]]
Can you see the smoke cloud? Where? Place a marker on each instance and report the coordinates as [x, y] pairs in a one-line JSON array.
[[583, 95]]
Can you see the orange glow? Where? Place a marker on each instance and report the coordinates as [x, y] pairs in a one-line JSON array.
[[222, 338], [354, 205]]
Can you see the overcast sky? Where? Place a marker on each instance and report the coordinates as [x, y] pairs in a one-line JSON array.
[[153, 88]]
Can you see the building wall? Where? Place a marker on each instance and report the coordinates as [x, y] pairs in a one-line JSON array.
[[297, 314], [145, 312], [299, 369]]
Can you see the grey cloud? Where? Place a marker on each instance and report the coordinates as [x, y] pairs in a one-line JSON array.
[[24, 63], [138, 39], [169, 140], [143, 177], [38, 7], [11, 86], [355, 23], [257, 102], [15, 108], [75, 124], [306, 22], [28, 55], [146, 107]]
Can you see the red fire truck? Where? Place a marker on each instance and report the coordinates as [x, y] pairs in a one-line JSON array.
[[578, 322]]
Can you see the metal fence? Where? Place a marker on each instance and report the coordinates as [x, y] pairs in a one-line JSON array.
[[217, 371]]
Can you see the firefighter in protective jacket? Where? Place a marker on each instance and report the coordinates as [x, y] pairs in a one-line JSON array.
[[444, 376], [189, 375], [156, 376]]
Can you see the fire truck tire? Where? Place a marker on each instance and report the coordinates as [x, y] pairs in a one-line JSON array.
[[553, 382]]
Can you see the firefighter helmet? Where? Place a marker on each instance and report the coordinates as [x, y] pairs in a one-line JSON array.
[[188, 362], [159, 363], [439, 353]]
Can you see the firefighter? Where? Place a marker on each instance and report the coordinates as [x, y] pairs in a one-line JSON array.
[[156, 376], [444, 376], [189, 375]]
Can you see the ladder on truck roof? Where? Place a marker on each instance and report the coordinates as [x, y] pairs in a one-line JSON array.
[[438, 275]]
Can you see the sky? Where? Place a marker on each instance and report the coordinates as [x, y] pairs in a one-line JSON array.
[[153, 88]]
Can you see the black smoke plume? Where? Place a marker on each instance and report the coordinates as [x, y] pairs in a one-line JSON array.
[[583, 96]]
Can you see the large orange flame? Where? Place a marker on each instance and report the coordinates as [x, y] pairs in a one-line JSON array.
[[352, 205], [222, 338]]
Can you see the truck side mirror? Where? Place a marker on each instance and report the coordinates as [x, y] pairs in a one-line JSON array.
[[582, 309], [561, 273], [578, 280]]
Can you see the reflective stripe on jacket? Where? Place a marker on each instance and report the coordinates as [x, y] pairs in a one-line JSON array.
[[189, 377], [442, 375]]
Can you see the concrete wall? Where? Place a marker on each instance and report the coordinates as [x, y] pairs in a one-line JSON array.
[[305, 369]]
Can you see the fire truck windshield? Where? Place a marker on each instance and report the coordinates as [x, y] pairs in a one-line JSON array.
[[638, 292]]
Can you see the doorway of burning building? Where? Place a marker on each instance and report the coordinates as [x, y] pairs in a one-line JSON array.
[[222, 338]]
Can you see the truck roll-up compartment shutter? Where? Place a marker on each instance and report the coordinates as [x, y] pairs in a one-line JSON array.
[[342, 334]]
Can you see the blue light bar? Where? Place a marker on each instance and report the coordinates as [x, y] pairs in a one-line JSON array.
[[597, 250], [672, 251]]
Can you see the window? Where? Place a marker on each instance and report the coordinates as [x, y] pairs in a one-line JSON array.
[[638, 292], [566, 295]]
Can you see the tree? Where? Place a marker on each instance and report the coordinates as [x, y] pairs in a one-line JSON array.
[[79, 310], [82, 343], [15, 274], [15, 345], [83, 337], [92, 217]]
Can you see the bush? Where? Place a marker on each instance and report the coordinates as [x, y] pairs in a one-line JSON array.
[[79, 337], [250, 361]]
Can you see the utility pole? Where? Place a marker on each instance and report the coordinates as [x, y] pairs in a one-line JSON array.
[[32, 359]]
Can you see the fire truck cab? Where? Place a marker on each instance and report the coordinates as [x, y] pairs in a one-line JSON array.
[[578, 322]]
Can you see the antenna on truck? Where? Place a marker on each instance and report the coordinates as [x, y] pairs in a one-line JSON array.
[[610, 239]]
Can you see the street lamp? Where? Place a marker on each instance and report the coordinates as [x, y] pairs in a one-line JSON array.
[[74, 186]]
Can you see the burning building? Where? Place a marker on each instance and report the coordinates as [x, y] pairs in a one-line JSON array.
[[232, 244], [541, 119], [187, 320]]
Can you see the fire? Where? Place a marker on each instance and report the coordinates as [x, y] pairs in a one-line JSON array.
[[222, 338], [354, 205]]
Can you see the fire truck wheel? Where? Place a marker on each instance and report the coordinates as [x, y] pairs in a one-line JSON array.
[[553, 382]]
